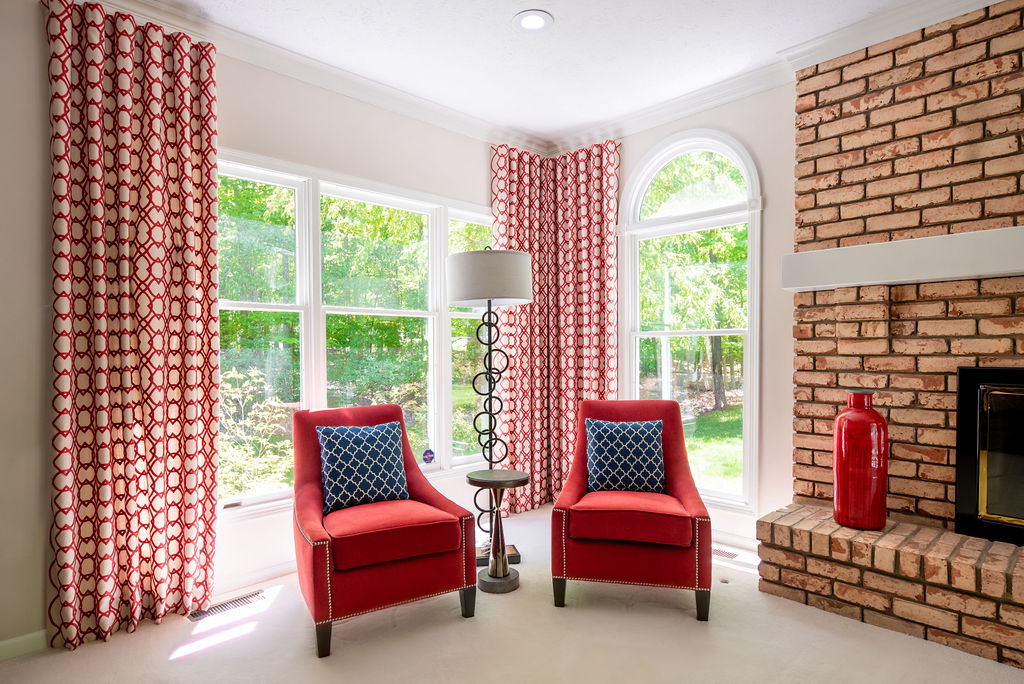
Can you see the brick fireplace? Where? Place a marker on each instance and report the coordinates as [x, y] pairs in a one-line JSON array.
[[915, 137]]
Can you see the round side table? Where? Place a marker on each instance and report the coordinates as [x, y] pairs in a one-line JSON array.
[[497, 577]]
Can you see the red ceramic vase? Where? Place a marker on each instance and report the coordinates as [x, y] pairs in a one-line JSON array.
[[860, 461]]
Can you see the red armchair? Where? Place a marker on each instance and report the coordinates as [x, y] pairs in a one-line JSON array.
[[661, 540], [364, 558]]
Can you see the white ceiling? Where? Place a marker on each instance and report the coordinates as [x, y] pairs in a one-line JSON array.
[[600, 61]]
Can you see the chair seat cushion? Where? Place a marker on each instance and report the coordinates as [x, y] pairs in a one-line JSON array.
[[631, 516], [389, 530]]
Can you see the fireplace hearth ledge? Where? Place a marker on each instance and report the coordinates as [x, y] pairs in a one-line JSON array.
[[960, 591], [980, 254]]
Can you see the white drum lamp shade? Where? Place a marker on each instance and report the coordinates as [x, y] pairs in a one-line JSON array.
[[502, 277]]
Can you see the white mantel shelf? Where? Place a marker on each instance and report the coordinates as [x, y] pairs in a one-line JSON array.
[[981, 254]]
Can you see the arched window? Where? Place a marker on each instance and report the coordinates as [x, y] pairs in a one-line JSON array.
[[690, 245]]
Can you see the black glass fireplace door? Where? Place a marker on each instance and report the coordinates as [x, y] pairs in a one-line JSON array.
[[990, 453]]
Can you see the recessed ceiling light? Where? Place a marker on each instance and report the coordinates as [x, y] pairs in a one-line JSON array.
[[533, 20]]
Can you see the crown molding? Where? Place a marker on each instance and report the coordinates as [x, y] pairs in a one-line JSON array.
[[877, 28], [749, 83]]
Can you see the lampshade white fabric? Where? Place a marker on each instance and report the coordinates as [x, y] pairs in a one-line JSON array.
[[502, 276]]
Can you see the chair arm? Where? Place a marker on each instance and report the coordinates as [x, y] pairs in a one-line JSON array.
[[313, 552], [575, 487], [309, 514], [421, 490], [682, 487]]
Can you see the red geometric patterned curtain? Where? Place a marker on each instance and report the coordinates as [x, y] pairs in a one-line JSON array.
[[562, 346], [134, 147]]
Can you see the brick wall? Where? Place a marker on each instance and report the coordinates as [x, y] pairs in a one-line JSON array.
[[906, 342], [917, 136], [963, 592]]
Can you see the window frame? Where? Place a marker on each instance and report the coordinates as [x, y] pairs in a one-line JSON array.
[[446, 422], [632, 231], [310, 184]]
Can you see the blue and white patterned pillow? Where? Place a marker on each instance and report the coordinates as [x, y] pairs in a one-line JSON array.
[[625, 456], [361, 464]]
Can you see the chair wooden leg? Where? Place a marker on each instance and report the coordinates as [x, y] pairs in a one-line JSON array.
[[703, 604], [467, 599], [558, 587], [323, 639]]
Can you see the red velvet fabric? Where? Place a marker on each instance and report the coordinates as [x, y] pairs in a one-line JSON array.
[[334, 587], [631, 516], [611, 558], [389, 530]]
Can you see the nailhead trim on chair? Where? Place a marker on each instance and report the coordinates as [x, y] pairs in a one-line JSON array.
[[696, 551], [696, 532], [562, 511], [327, 563], [462, 545]]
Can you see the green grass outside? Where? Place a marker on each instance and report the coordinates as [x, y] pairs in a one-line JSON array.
[[715, 449]]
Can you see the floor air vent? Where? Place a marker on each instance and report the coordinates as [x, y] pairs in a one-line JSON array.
[[722, 553], [244, 600]]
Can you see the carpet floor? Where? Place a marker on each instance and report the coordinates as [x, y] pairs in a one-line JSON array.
[[606, 633]]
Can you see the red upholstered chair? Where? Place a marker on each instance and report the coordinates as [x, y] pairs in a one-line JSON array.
[[661, 540], [364, 558]]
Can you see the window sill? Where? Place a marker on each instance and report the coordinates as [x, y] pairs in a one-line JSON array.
[[724, 503], [257, 508]]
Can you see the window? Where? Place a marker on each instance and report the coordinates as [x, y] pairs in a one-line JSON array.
[[260, 332], [333, 295], [690, 298], [375, 266], [467, 354]]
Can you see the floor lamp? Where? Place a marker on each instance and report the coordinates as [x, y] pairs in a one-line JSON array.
[[490, 277]]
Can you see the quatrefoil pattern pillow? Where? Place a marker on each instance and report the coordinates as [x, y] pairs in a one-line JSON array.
[[625, 456], [361, 464]]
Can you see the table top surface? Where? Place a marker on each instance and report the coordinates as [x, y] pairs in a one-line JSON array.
[[497, 479]]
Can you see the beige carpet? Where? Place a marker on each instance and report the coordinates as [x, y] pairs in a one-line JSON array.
[[606, 633]]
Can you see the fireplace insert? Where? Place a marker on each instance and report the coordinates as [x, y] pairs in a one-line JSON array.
[[990, 453]]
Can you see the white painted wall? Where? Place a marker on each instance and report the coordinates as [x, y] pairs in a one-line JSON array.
[[25, 377], [267, 113], [764, 124]]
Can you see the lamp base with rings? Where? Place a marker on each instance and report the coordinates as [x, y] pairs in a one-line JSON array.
[[493, 448]]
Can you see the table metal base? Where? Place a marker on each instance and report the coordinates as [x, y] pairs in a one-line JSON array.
[[497, 585]]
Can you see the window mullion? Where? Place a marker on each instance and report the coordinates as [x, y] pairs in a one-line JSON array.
[[370, 311], [318, 321], [441, 343], [710, 332]]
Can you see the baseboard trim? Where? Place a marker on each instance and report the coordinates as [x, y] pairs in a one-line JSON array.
[[248, 579], [20, 645], [734, 540]]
